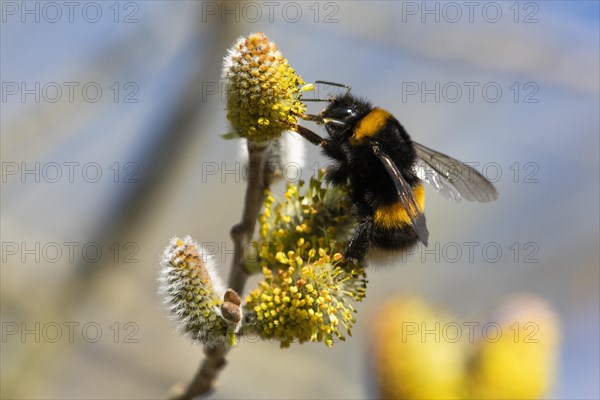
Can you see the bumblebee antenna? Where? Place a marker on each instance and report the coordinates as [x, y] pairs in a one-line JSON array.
[[335, 84], [330, 98]]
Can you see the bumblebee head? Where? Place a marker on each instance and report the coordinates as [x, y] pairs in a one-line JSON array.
[[342, 114]]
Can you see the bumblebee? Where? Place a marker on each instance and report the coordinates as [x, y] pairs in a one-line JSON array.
[[385, 170]]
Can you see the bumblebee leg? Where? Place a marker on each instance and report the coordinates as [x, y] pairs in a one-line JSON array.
[[313, 117], [338, 174], [332, 150], [360, 242], [327, 145], [309, 135]]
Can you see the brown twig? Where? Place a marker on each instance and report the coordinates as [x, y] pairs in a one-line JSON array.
[[241, 233]]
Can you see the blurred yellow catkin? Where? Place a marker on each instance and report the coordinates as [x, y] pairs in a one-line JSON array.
[[521, 363], [412, 359], [420, 352]]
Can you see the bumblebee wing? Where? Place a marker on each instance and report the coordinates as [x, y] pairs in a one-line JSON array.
[[452, 178], [405, 194], [433, 178]]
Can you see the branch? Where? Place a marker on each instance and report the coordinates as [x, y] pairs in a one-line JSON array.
[[241, 233], [206, 375]]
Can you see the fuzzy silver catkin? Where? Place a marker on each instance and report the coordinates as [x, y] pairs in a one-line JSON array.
[[192, 291]]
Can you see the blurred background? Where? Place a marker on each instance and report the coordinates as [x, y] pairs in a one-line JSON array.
[[110, 130]]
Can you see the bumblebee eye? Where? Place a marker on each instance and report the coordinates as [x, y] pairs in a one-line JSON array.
[[349, 111]]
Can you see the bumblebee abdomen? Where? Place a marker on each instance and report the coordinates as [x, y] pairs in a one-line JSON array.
[[394, 215], [391, 223], [394, 239]]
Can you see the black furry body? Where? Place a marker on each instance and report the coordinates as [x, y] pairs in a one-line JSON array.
[[372, 189]]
